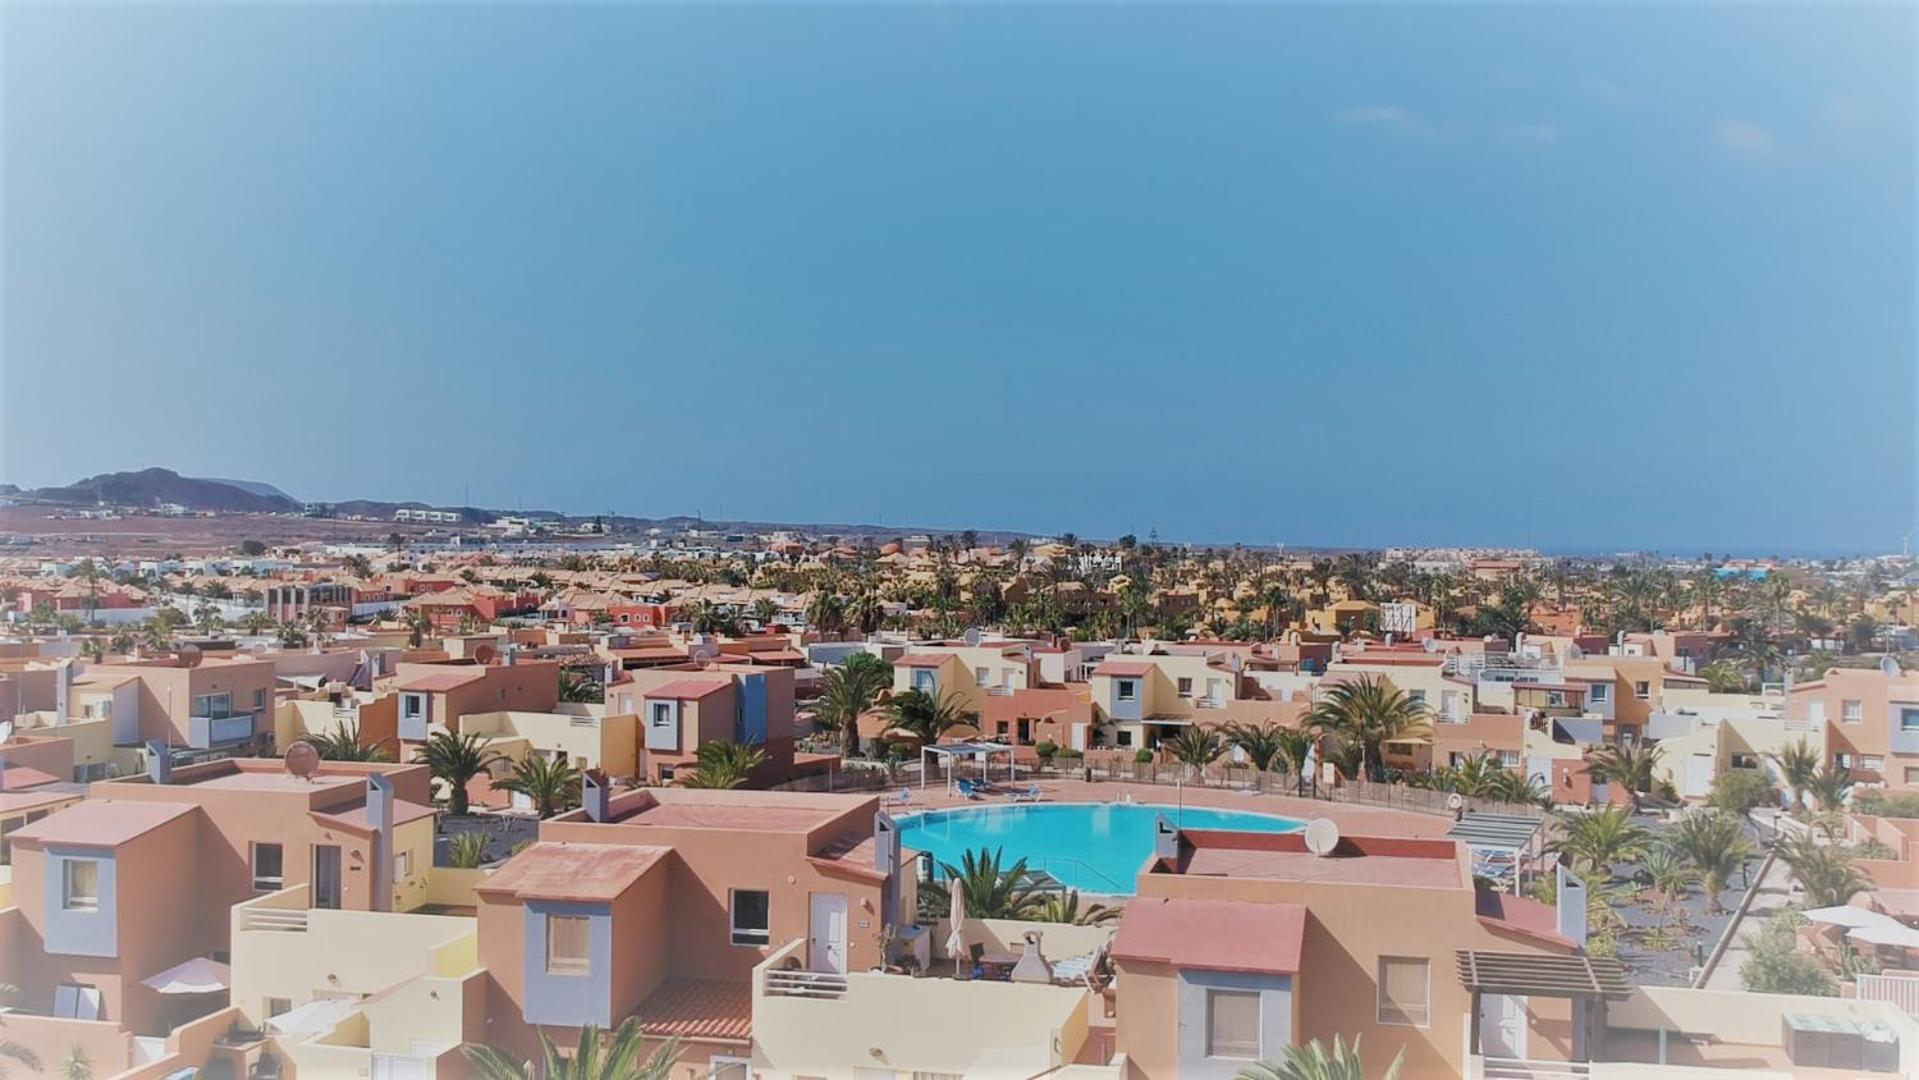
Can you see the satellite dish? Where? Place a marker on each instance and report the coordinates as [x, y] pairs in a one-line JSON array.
[[6, 730], [1454, 802], [1322, 836], [302, 760]]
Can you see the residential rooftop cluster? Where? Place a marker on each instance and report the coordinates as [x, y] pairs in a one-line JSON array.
[[796, 806]]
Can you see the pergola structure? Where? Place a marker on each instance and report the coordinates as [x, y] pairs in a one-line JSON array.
[[1504, 846], [1592, 980], [950, 753]]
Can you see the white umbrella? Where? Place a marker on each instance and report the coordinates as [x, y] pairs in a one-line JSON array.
[[1847, 915], [956, 944], [320, 1014], [197, 976], [1893, 933]]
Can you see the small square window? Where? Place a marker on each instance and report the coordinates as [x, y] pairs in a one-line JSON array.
[[1871, 762], [982, 676], [1851, 712], [752, 913], [1642, 690], [1909, 719], [259, 699], [1232, 1024], [568, 939], [1599, 693], [1127, 689], [1405, 990], [80, 888], [1185, 686], [269, 873]]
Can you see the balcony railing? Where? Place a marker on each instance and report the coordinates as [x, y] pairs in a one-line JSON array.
[[287, 920], [807, 984], [206, 732]]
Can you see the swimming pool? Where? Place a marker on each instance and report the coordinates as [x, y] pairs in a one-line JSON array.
[[1093, 847]]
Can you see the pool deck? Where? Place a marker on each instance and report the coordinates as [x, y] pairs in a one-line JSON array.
[[1352, 820]]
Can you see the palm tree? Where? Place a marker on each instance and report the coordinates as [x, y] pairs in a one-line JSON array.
[[1262, 744], [1314, 1062], [1594, 841], [846, 692], [1063, 907], [924, 717], [764, 610], [825, 611], [1195, 747], [724, 764], [77, 1065], [579, 688], [1825, 871], [552, 785], [1368, 712], [454, 760], [1830, 786], [1798, 766], [1668, 874], [12, 1051], [617, 1058], [342, 743], [1715, 845], [1629, 765], [1725, 677], [990, 891]]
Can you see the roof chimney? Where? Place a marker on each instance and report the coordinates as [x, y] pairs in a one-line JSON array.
[[596, 795], [62, 686], [159, 762], [1572, 906]]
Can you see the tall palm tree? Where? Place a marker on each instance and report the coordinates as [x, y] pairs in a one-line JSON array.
[[454, 760], [1593, 842], [615, 1058], [1725, 677], [552, 785], [1368, 712], [1314, 1062], [1798, 765], [580, 688], [925, 717], [1829, 786], [846, 692], [724, 764], [1668, 874], [1825, 871], [1630, 765], [1715, 844], [993, 891]]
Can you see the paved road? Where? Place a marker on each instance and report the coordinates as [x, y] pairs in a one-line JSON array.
[[1775, 892]]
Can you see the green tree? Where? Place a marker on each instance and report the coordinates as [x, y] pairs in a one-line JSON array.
[[1775, 965], [1738, 790], [342, 743], [1668, 874], [1725, 677], [1063, 907], [1798, 766], [1594, 841], [1314, 1062], [1368, 712], [1825, 871], [1263, 744], [847, 692], [1715, 844], [1195, 747], [466, 851], [580, 688], [455, 760], [724, 764], [925, 717], [553, 786], [993, 891], [620, 1057], [1630, 765], [1830, 786]]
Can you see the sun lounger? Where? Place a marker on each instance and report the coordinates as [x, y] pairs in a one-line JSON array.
[[1030, 793]]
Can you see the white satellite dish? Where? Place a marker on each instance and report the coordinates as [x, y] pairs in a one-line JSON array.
[[1454, 801], [1322, 836], [6, 730]]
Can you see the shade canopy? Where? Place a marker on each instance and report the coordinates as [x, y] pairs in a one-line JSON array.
[[320, 1014], [1889, 933], [1543, 974], [197, 976], [1505, 832], [1846, 915]]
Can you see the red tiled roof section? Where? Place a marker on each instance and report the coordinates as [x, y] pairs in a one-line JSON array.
[[588, 873], [440, 680], [709, 1009], [21, 777], [686, 689], [102, 823], [1517, 913], [1125, 668], [1213, 935], [931, 659]]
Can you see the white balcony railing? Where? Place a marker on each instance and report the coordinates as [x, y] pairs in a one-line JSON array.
[[285, 920], [807, 984], [205, 732]]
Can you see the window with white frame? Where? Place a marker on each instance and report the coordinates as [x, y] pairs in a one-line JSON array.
[[1816, 711], [214, 706], [1600, 691], [1909, 719], [1185, 686], [412, 706], [80, 885], [752, 914], [1232, 1024], [568, 944], [1871, 762], [1642, 690], [925, 680], [269, 867], [982, 676], [1851, 712], [1127, 689], [1405, 990]]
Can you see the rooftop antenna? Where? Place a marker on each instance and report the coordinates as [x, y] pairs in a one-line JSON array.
[[1322, 836]]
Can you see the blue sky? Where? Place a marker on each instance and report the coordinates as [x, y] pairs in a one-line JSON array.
[[1568, 276]]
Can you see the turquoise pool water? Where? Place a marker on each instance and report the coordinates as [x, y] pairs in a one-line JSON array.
[[1093, 847]]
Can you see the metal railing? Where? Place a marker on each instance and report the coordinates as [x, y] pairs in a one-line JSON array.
[[1901, 989], [288, 920], [824, 985]]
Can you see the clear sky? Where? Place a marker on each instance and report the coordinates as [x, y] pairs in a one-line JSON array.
[[1569, 276]]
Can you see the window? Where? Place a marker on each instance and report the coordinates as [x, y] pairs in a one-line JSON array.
[[1816, 711], [275, 1006], [1123, 739], [402, 865], [1909, 719], [1232, 1024], [751, 912], [1912, 775], [1851, 712], [213, 706], [1742, 760], [1642, 690], [1598, 693], [567, 938], [1185, 686], [259, 699], [1509, 759], [1127, 689], [1405, 987], [1871, 762], [659, 714], [925, 680], [1418, 697], [80, 889], [412, 706], [268, 868], [666, 774], [982, 676]]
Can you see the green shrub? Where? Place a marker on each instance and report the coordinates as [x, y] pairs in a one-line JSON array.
[[1739, 790], [1046, 749], [1143, 757]]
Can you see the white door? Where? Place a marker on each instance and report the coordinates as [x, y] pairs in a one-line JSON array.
[[1079, 736], [1699, 772], [826, 933], [1502, 1026]]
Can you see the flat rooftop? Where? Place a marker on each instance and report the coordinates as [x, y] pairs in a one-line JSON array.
[[1213, 935], [588, 873], [1283, 857], [102, 822], [754, 811], [269, 781]]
